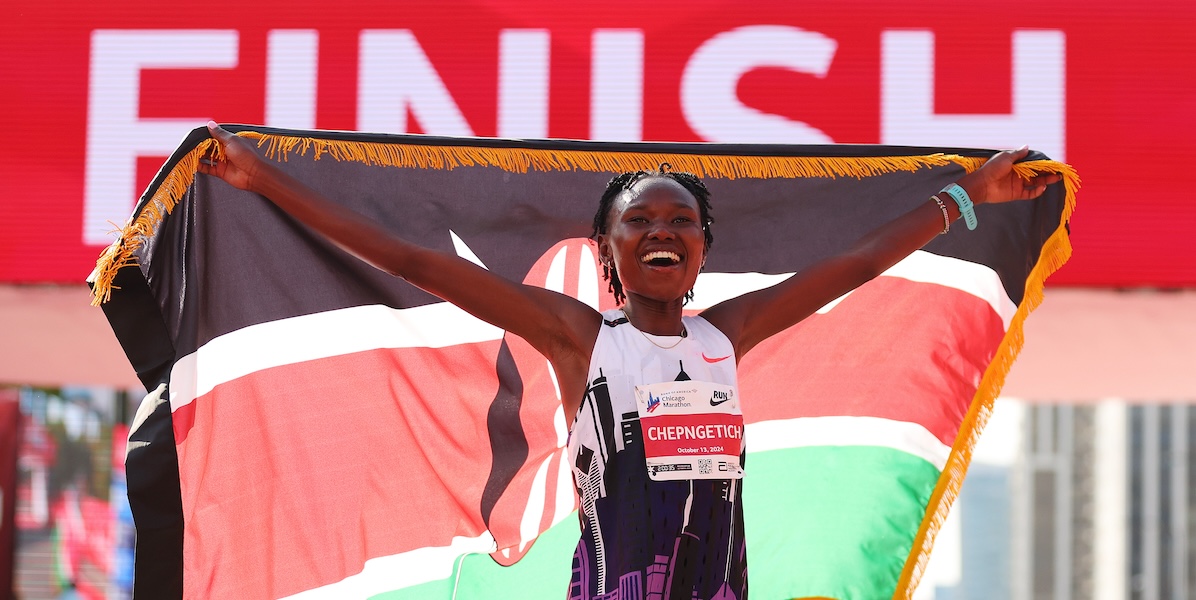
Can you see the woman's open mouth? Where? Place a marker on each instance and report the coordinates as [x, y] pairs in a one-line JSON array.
[[661, 258]]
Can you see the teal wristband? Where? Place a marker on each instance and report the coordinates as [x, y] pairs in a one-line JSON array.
[[960, 196]]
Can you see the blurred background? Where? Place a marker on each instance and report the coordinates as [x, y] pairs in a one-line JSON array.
[[1085, 482]]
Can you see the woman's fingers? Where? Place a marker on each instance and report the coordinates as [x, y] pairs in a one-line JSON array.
[[210, 164], [233, 162], [1035, 186], [1015, 186], [219, 133]]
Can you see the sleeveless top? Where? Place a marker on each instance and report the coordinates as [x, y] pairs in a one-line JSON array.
[[644, 538]]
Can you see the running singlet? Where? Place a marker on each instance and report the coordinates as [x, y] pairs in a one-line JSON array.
[[659, 477]]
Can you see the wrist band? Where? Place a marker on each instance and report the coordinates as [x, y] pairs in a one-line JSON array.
[[961, 198], [946, 217]]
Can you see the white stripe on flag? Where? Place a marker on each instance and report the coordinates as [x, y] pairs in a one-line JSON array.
[[801, 432], [321, 335], [362, 328], [921, 266], [389, 573]]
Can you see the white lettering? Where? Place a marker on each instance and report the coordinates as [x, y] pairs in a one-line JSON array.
[[617, 85], [116, 135], [291, 59], [693, 432], [708, 86], [523, 83], [395, 75], [907, 96]]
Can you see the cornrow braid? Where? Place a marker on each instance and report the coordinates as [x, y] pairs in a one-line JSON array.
[[622, 183]]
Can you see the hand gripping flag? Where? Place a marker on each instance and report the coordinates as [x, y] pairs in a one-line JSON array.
[[342, 434]]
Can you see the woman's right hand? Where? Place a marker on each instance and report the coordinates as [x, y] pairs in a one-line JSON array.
[[240, 165], [996, 181]]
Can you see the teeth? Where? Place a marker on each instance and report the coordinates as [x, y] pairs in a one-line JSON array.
[[651, 256]]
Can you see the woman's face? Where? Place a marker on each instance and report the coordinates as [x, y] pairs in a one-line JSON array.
[[655, 240]]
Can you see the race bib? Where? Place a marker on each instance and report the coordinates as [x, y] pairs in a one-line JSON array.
[[691, 429]]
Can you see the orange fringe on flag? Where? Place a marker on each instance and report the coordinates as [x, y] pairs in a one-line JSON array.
[[122, 252], [1055, 253]]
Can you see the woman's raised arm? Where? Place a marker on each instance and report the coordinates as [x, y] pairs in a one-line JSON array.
[[756, 316], [560, 327]]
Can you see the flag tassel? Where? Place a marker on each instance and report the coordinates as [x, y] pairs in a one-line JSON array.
[[123, 251], [1055, 253]]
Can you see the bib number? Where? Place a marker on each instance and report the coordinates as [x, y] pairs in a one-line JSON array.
[[691, 430]]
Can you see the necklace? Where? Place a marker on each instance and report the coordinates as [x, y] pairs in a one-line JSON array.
[[684, 334]]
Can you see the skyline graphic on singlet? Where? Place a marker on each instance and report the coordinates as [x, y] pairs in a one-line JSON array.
[[644, 539]]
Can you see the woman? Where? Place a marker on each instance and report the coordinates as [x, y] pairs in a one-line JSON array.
[[650, 396]]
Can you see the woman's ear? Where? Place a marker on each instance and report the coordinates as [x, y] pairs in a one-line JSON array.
[[604, 256]]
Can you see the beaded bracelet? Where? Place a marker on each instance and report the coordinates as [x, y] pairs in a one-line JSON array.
[[964, 201], [946, 217]]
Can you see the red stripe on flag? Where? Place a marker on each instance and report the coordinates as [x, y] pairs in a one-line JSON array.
[[294, 476], [894, 349], [182, 420]]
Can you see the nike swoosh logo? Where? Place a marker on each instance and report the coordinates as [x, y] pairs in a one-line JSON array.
[[713, 403], [714, 360]]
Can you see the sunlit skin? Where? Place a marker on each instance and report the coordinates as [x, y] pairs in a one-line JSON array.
[[655, 215]]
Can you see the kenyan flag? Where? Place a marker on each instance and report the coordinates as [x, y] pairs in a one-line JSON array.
[[342, 434]]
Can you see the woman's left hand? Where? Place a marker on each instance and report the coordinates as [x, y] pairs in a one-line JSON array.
[[996, 181]]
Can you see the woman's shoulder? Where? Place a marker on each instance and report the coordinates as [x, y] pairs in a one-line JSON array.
[[701, 328]]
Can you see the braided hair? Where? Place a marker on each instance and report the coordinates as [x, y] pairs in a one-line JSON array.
[[623, 183]]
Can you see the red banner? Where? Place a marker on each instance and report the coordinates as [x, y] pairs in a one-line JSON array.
[[97, 94]]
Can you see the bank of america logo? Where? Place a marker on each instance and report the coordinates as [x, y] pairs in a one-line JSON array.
[[653, 402]]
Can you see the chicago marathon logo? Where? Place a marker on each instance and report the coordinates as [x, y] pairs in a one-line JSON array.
[[653, 402]]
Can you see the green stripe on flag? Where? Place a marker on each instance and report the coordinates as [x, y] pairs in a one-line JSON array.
[[832, 521], [543, 573]]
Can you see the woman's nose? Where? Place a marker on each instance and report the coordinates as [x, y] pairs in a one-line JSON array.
[[661, 231]]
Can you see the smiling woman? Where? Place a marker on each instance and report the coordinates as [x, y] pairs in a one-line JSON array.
[[691, 202], [661, 514]]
